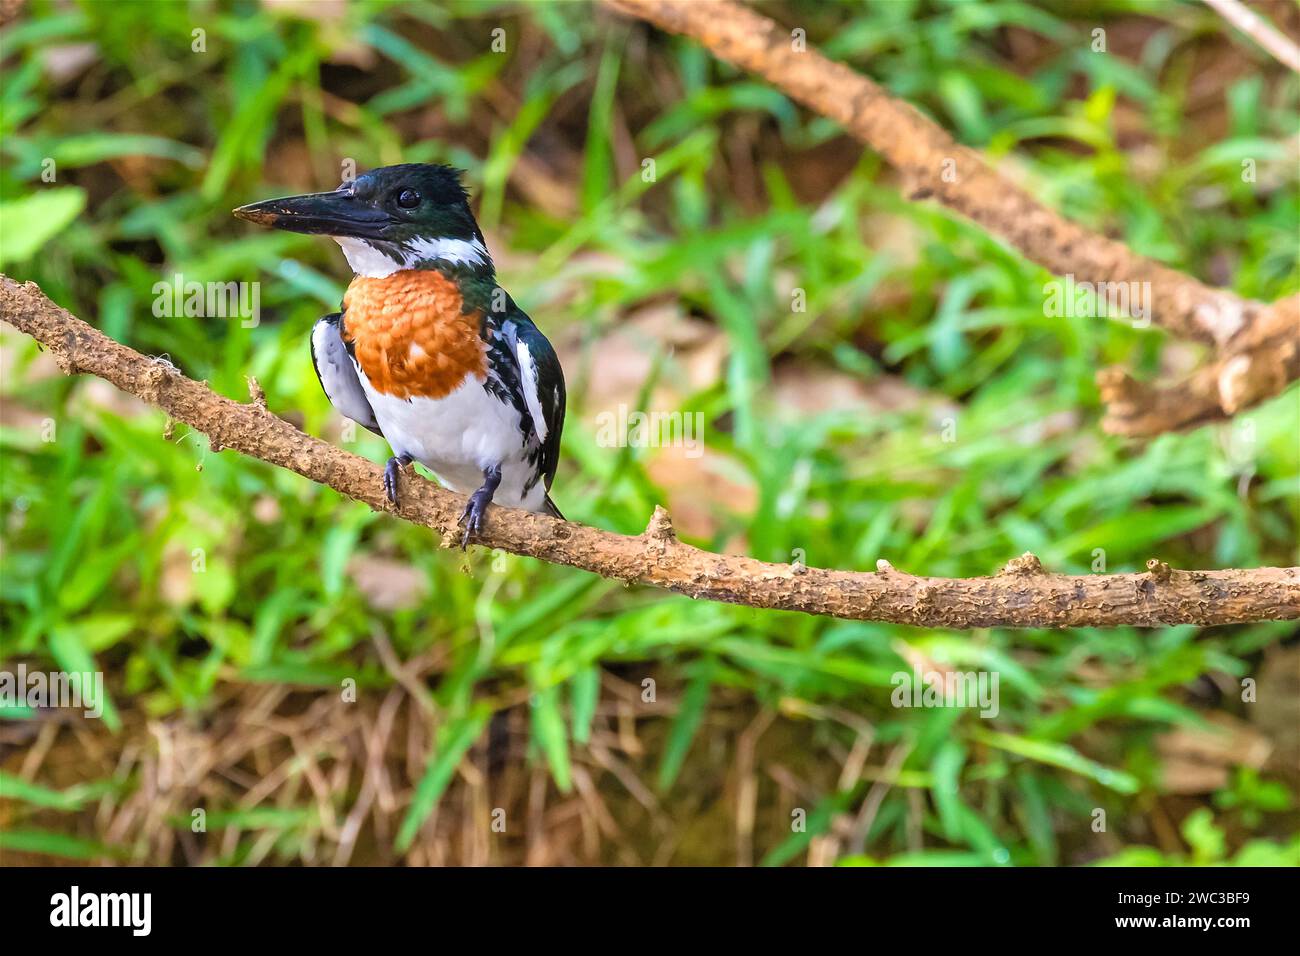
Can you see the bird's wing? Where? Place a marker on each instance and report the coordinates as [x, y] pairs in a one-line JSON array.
[[538, 382], [338, 373]]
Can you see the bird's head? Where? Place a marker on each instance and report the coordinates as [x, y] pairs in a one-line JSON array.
[[394, 217]]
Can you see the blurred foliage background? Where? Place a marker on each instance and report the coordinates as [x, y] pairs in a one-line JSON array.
[[508, 711]]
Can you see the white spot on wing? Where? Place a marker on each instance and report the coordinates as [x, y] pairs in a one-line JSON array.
[[338, 374], [528, 379]]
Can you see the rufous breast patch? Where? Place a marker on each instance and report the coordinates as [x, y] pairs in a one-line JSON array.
[[409, 335]]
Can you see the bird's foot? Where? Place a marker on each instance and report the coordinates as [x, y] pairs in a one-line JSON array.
[[391, 472], [472, 516]]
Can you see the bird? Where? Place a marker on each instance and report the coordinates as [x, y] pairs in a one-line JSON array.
[[428, 351]]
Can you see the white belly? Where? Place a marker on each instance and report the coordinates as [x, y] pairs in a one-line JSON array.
[[459, 436]]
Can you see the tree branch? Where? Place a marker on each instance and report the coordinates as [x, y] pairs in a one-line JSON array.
[[1261, 366], [1270, 38], [932, 165], [1021, 595]]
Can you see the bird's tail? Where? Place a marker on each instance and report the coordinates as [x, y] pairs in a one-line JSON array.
[[548, 507]]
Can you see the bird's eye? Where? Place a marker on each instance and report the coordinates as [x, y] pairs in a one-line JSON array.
[[408, 199]]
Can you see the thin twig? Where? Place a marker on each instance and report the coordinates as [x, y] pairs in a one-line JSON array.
[[1270, 38]]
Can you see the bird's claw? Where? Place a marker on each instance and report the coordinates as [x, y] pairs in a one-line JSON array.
[[391, 472], [472, 517]]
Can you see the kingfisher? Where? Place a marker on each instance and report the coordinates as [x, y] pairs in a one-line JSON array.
[[429, 352]]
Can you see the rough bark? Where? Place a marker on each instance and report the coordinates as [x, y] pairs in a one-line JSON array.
[[1263, 362], [933, 166], [1021, 595]]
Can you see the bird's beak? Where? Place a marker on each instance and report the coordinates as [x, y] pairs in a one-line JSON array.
[[336, 213]]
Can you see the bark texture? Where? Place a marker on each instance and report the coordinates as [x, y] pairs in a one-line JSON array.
[[1021, 595], [1259, 364]]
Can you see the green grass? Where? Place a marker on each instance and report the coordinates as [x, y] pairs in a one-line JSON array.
[[153, 144]]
